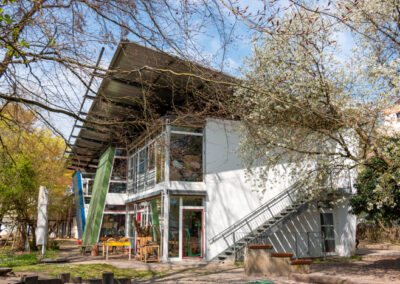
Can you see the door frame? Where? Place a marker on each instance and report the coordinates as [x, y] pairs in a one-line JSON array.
[[191, 208]]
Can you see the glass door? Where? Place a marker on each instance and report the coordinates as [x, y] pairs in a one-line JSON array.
[[192, 233], [328, 231]]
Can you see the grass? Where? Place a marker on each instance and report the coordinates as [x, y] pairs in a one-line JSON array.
[[10, 258], [337, 259], [87, 271]]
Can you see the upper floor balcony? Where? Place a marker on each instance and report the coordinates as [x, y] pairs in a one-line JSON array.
[[172, 158]]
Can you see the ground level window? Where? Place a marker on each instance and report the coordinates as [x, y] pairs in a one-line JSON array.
[[192, 201], [113, 225], [173, 243], [328, 232]]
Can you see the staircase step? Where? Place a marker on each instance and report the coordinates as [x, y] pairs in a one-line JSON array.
[[280, 216], [288, 211], [281, 254], [250, 237], [301, 261], [266, 246]]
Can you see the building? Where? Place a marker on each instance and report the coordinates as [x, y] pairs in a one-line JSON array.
[[182, 179]]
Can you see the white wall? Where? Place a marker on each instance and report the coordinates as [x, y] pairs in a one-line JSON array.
[[231, 195], [345, 229], [302, 237], [116, 198]]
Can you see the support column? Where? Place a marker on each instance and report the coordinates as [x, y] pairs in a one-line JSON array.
[[128, 224], [167, 154], [166, 226]]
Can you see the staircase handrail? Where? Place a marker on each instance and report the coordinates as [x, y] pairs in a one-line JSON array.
[[255, 213]]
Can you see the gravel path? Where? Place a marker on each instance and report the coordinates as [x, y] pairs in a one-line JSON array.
[[381, 266]]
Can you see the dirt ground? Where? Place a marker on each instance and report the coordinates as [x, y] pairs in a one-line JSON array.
[[376, 266]]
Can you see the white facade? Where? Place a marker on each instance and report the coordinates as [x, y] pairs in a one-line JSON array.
[[228, 194], [392, 120]]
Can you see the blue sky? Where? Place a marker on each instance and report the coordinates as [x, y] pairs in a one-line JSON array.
[[208, 43]]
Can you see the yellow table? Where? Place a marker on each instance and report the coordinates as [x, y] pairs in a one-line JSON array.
[[108, 244]]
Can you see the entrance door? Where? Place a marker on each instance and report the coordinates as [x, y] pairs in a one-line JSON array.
[[328, 231], [192, 233]]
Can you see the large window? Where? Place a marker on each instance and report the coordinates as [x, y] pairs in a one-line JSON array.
[[147, 164], [160, 160], [186, 163], [90, 187], [152, 156], [133, 171], [119, 172], [113, 225], [143, 161], [119, 169], [117, 187], [173, 242]]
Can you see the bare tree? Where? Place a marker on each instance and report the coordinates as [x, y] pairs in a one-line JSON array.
[[50, 47]]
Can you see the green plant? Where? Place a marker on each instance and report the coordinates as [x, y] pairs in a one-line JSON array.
[[52, 245], [10, 259]]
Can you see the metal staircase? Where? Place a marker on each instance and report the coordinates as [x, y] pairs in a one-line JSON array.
[[264, 221]]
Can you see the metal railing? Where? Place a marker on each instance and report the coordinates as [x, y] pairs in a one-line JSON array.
[[271, 207], [143, 182]]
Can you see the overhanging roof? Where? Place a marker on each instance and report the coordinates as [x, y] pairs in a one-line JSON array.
[[141, 86]]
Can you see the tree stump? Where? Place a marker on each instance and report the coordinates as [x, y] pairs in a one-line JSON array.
[[95, 250]]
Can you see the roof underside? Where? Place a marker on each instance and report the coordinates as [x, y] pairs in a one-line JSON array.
[[142, 86]]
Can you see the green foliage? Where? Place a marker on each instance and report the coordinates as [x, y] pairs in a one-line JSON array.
[[378, 189], [53, 245], [11, 258], [29, 156]]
